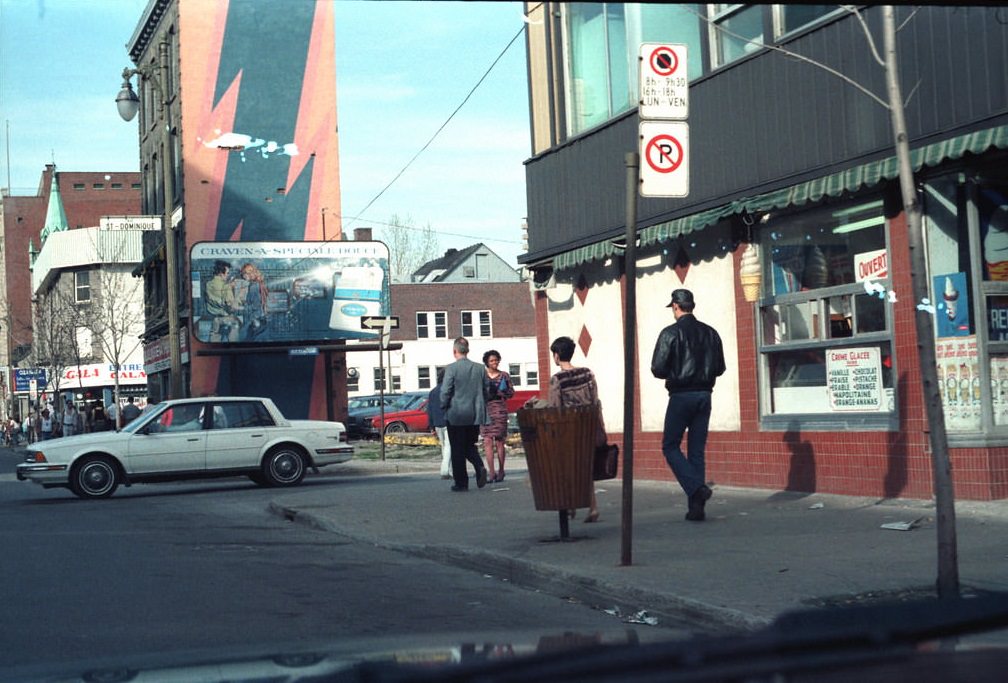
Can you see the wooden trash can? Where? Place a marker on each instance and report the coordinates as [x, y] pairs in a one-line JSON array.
[[559, 448]]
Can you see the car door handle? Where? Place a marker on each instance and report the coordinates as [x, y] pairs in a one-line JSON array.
[[193, 439], [257, 436]]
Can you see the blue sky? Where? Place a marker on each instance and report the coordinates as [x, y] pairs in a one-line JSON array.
[[402, 68]]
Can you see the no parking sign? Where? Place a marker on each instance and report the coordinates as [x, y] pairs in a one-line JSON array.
[[664, 169]]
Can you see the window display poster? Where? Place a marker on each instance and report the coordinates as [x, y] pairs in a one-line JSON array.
[[854, 378], [999, 388], [952, 303], [959, 382]]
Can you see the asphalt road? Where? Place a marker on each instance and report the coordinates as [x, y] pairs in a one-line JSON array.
[[203, 566]]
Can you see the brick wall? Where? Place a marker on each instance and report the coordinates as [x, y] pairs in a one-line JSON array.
[[511, 309]]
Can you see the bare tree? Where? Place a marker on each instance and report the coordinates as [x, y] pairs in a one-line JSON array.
[[409, 246], [892, 100], [54, 345]]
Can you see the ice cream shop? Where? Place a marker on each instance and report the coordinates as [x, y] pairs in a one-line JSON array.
[[789, 229]]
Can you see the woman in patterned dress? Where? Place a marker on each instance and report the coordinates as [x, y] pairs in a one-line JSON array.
[[498, 389]]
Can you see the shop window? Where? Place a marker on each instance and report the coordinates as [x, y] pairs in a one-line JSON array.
[[967, 244], [825, 316]]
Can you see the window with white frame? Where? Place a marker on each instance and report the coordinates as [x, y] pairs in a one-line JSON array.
[[476, 324], [532, 374], [735, 31], [432, 324], [424, 377], [825, 332], [82, 286], [379, 379], [515, 370]]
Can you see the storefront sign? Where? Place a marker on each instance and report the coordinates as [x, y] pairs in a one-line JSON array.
[[854, 378], [156, 356], [101, 375], [871, 265]]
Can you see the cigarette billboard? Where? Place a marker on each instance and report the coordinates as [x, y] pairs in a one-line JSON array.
[[293, 292]]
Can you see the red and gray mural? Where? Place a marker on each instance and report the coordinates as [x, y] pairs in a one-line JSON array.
[[260, 154]]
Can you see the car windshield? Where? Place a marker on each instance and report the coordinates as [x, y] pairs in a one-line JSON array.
[[712, 299]]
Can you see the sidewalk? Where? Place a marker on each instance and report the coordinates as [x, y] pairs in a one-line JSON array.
[[758, 554]]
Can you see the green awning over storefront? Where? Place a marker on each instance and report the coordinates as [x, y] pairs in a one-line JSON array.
[[834, 185]]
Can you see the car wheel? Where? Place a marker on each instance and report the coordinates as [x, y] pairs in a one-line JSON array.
[[396, 428], [284, 466], [94, 476]]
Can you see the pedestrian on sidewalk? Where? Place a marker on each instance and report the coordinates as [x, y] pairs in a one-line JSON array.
[[69, 419], [436, 417], [46, 425], [130, 412], [572, 387], [498, 390], [464, 406], [689, 357]]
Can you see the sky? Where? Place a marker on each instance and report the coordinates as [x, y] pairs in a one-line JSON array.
[[402, 68]]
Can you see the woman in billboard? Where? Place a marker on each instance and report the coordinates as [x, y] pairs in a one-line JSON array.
[[254, 309]]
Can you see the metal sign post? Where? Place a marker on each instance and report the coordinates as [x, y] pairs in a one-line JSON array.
[[659, 168]]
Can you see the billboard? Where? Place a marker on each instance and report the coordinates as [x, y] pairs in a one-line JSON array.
[[293, 292]]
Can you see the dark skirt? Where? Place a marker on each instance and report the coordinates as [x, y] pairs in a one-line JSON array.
[[497, 412]]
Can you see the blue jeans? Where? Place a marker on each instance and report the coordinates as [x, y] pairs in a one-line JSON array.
[[688, 410]]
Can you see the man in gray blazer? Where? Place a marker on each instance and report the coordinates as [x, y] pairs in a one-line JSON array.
[[464, 403]]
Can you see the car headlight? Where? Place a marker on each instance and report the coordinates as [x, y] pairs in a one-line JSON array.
[[36, 456]]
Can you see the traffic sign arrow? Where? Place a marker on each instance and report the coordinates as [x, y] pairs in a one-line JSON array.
[[379, 321]]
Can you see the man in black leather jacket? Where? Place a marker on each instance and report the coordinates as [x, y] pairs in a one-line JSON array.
[[689, 357]]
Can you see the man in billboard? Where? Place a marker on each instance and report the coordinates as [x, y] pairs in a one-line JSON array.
[[221, 304]]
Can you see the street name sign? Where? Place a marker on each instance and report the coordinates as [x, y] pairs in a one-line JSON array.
[[664, 153], [663, 81]]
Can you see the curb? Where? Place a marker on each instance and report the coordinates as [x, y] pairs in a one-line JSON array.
[[600, 594]]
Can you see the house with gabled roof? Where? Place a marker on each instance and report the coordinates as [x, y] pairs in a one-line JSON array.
[[476, 263]]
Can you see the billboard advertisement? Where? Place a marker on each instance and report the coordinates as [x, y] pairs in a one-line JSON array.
[[287, 292]]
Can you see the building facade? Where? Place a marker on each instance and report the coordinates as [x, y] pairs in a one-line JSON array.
[[793, 193], [76, 200], [238, 142], [492, 316]]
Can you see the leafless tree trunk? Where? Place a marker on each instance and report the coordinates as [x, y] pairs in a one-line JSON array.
[[409, 246], [948, 564]]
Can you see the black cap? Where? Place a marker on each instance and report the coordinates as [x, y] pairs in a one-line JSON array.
[[683, 297]]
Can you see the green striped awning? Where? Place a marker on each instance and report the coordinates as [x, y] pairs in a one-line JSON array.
[[833, 185]]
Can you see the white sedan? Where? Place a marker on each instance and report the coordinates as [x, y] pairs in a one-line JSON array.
[[190, 439]]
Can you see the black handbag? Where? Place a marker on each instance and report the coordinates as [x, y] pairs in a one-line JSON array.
[[606, 462]]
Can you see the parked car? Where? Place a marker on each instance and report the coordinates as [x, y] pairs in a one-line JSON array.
[[364, 425], [413, 419], [189, 439], [416, 420], [361, 409]]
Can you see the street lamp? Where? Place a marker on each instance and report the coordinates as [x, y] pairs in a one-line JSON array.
[[128, 105]]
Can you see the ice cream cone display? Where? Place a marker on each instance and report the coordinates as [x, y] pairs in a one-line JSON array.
[[996, 245], [951, 296], [749, 273]]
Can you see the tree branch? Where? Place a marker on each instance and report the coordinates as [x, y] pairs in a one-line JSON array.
[[868, 36], [795, 55]]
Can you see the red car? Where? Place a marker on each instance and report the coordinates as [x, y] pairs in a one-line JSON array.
[[415, 419]]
